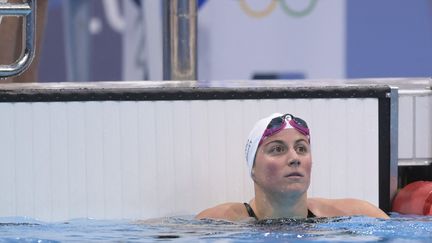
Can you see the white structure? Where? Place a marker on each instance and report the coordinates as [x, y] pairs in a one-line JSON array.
[[415, 129], [143, 150]]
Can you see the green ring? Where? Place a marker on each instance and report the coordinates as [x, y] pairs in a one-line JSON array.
[[296, 13]]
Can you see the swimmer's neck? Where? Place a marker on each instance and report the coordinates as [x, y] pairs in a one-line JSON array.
[[270, 206]]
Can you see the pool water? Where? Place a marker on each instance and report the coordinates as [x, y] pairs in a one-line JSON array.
[[185, 229]]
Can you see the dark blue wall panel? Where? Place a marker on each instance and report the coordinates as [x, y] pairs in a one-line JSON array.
[[389, 38]]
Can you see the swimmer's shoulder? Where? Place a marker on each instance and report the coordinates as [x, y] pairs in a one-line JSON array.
[[228, 211], [323, 207]]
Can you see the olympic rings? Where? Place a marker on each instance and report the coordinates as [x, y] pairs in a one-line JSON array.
[[258, 14], [300, 13], [269, 9]]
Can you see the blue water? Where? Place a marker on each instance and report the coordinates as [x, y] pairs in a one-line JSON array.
[[342, 229]]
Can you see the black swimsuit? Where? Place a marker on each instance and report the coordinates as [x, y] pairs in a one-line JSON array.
[[252, 213]]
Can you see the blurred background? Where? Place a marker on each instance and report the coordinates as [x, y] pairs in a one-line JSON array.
[[111, 40]]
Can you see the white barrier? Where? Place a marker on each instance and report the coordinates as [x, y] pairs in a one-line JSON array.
[[142, 150], [415, 129]]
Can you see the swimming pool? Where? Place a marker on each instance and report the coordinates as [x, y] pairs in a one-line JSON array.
[[185, 229]]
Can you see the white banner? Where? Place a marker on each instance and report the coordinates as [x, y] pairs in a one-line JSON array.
[[289, 38]]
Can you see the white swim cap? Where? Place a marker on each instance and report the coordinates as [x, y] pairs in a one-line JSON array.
[[259, 129], [254, 138]]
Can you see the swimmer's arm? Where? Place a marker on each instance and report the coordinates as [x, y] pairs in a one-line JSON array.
[[227, 211], [360, 207], [344, 207], [210, 213]]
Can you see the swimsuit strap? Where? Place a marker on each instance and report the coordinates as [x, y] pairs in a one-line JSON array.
[[250, 211], [310, 214], [253, 215]]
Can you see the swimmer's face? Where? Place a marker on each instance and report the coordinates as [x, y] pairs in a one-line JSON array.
[[283, 163]]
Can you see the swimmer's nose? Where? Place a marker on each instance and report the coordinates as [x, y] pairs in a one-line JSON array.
[[294, 163]]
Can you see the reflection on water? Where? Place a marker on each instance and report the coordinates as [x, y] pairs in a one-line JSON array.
[[185, 229]]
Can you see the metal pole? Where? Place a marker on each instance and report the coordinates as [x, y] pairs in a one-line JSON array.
[[28, 11], [180, 40]]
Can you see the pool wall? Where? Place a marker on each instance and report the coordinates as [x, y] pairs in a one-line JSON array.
[[150, 149]]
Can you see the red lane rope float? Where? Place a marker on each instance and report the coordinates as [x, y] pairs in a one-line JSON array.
[[414, 198], [428, 204]]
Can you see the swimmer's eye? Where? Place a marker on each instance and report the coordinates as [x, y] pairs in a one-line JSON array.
[[301, 149], [277, 149]]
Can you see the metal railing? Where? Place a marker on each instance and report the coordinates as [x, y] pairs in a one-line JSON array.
[[180, 40], [28, 12]]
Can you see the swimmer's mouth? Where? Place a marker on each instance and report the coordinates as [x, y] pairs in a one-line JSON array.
[[294, 174]]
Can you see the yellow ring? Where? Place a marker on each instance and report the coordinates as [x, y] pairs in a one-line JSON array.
[[258, 13]]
